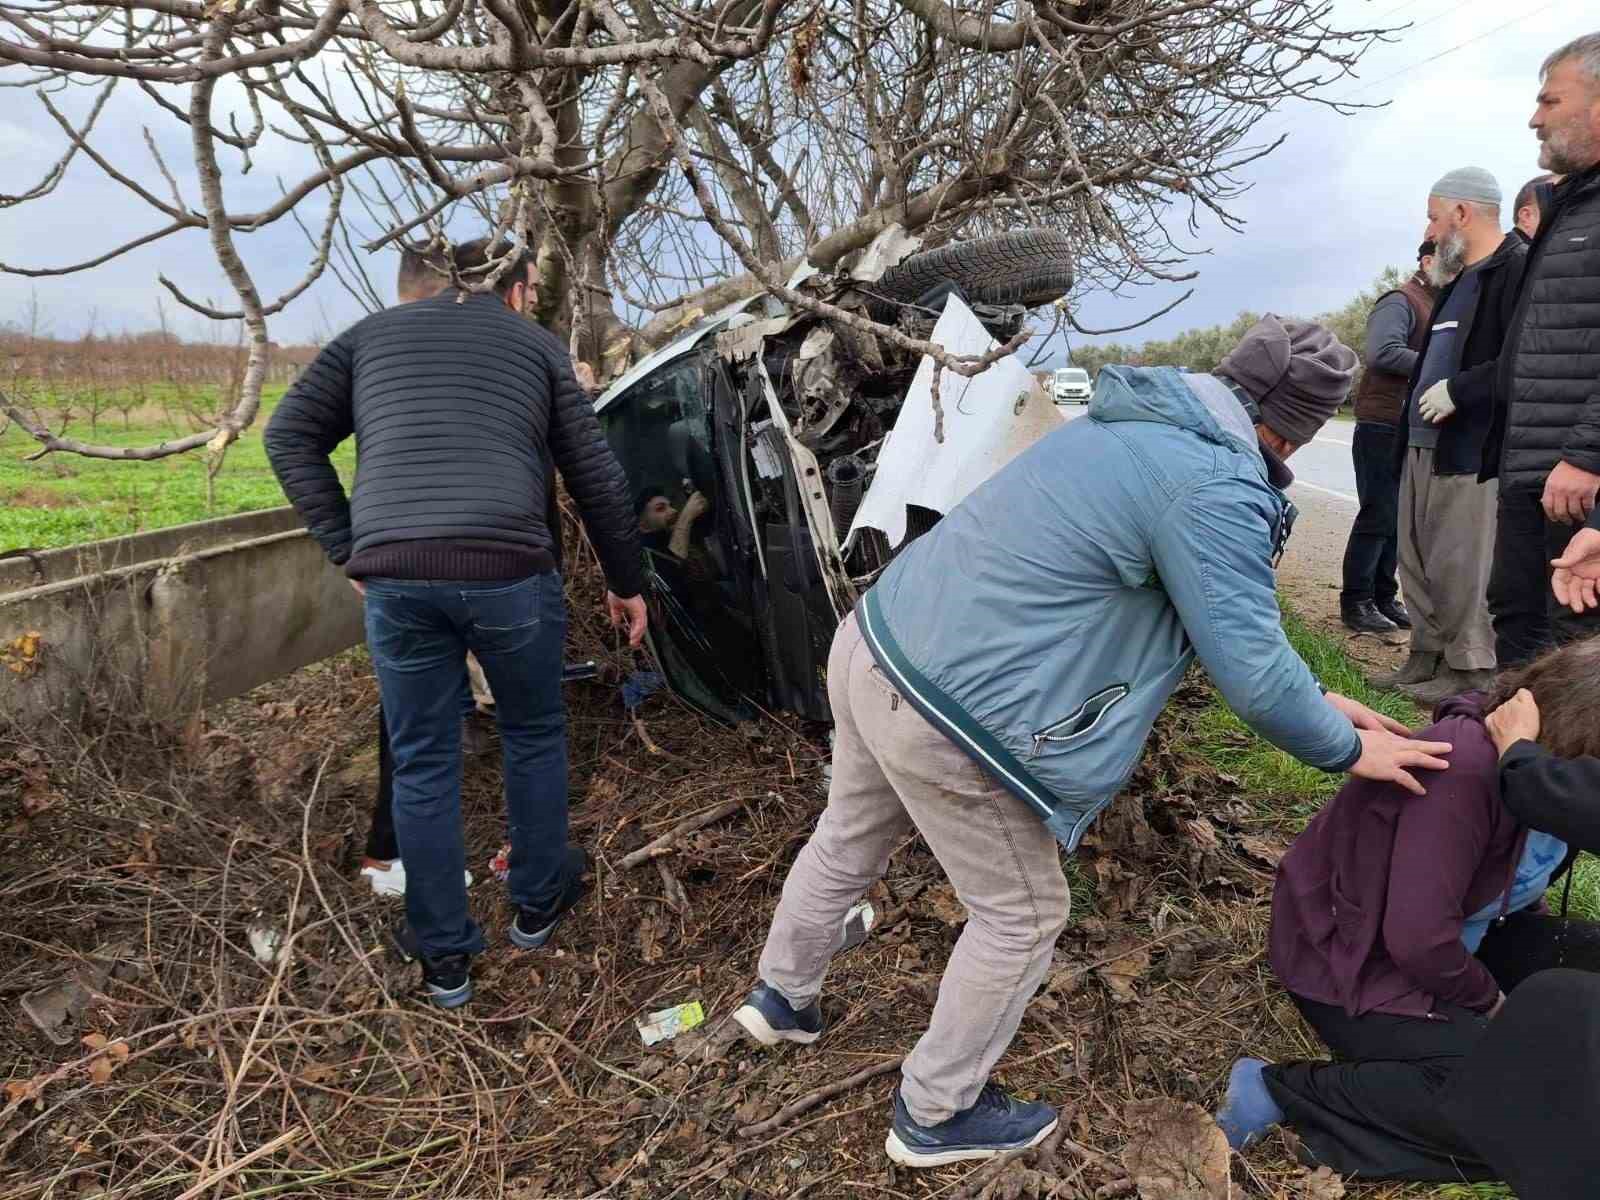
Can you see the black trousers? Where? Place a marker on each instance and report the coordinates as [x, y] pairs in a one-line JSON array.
[[1372, 552], [1376, 1119], [1379, 1035], [381, 840], [1527, 619]]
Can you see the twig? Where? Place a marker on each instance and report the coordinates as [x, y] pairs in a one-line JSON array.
[[663, 844], [382, 1160], [992, 1170], [811, 1099], [677, 898], [238, 1164]]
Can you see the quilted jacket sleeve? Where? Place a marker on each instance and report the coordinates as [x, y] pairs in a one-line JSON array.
[[1213, 553], [594, 477], [313, 417]]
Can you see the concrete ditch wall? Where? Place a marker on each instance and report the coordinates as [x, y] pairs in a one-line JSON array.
[[170, 620]]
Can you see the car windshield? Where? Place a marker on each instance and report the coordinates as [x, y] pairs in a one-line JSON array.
[[1074, 375]]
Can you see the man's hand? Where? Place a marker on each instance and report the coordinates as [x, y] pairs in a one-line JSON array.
[[1516, 720], [1569, 494], [361, 588], [585, 375], [1385, 757], [695, 507], [1436, 406], [1576, 578], [629, 614], [1363, 717]]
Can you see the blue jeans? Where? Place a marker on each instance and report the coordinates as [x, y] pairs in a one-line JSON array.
[[419, 632]]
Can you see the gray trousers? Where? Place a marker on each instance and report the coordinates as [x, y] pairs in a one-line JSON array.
[[1446, 553], [893, 772]]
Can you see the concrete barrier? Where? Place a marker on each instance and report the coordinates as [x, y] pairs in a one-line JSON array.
[[170, 620]]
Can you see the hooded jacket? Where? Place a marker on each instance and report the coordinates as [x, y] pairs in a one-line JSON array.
[[1370, 901], [1044, 622]]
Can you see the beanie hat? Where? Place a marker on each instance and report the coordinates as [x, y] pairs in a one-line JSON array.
[[1428, 247], [1297, 372], [1472, 184]]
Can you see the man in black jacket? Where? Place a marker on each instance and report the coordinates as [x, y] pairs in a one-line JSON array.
[[1549, 461], [459, 404], [1446, 511]]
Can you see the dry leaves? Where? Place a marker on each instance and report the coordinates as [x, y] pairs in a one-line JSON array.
[[1123, 972], [1176, 1152], [108, 1056], [1263, 850], [1322, 1184], [942, 903], [20, 655]]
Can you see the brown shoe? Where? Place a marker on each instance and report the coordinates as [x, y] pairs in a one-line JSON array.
[[1419, 668], [1449, 682]]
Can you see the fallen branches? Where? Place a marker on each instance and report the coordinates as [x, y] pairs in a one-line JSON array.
[[664, 844], [811, 1099]]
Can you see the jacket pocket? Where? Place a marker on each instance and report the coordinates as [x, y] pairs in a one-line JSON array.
[[1081, 721]]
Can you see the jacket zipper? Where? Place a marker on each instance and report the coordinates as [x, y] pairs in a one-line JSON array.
[[1082, 720]]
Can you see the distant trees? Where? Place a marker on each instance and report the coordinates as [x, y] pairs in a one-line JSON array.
[[1204, 349]]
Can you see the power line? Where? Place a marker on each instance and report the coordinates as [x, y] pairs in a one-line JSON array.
[[1406, 70]]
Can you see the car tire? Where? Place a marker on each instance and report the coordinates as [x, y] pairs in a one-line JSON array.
[[1029, 267]]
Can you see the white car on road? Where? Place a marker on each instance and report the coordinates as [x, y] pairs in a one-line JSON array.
[[1071, 386]]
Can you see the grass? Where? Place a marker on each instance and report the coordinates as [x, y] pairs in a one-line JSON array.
[[63, 499], [1288, 792]]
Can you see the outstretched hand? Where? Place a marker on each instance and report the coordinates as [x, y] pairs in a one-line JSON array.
[[1363, 717], [1576, 578], [1385, 758]]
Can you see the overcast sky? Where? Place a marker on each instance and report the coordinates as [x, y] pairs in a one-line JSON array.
[[1343, 198]]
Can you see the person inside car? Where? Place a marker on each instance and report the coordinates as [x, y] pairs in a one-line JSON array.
[[995, 688]]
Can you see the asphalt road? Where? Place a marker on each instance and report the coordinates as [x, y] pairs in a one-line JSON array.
[[1322, 468]]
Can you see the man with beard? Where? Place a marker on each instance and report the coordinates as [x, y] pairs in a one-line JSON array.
[[1550, 378], [1446, 511], [1395, 328]]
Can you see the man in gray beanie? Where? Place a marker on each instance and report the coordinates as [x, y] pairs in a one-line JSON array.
[[994, 690], [1447, 515]]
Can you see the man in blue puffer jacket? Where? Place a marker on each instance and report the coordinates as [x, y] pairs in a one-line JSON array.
[[997, 686]]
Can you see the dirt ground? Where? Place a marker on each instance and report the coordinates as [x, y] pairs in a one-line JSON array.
[[244, 1034], [1309, 578]]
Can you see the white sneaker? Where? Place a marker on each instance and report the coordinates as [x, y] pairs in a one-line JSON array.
[[389, 879]]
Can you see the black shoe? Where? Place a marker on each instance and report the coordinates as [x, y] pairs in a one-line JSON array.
[[1395, 611], [532, 928], [1364, 617], [447, 979]]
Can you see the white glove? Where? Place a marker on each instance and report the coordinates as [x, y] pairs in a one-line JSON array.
[[1436, 405]]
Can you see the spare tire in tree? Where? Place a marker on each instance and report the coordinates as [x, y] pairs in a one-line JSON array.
[[1026, 266]]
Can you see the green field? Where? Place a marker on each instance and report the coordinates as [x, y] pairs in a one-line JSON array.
[[64, 498]]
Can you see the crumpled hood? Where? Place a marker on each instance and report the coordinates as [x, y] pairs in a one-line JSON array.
[[1468, 704]]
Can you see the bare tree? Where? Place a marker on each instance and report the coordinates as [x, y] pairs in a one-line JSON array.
[[664, 158]]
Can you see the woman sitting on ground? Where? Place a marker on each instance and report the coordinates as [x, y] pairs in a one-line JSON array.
[[1380, 904]]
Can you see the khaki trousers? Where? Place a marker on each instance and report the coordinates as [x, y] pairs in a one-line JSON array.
[[893, 772], [1446, 553]]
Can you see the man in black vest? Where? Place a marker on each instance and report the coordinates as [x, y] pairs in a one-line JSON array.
[[1446, 510], [1396, 326], [1550, 375], [459, 405]]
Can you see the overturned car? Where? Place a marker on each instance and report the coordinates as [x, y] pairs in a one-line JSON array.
[[779, 461]]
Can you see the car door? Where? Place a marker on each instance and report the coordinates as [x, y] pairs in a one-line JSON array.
[[701, 627]]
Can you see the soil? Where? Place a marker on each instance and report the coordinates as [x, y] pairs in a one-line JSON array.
[[1309, 578], [253, 1039]]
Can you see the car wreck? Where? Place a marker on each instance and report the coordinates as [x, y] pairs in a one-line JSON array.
[[780, 460]]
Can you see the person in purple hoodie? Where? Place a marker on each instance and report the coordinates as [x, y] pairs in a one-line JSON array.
[[1377, 910]]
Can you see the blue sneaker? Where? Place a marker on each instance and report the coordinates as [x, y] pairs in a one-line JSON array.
[[446, 979], [770, 1019], [995, 1124], [531, 929], [1248, 1110]]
